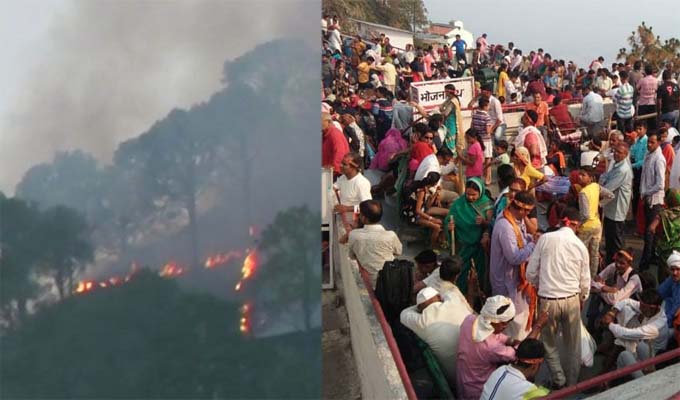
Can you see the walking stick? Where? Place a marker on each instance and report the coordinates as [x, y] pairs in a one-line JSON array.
[[345, 224], [452, 228]]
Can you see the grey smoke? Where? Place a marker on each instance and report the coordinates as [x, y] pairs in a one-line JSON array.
[[113, 68]]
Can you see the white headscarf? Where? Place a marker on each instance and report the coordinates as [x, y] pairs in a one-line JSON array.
[[673, 260], [481, 328]]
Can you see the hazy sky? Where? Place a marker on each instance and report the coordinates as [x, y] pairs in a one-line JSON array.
[[578, 30], [88, 74]]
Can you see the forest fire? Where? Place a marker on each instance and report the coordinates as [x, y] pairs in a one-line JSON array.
[[249, 266], [171, 269], [222, 258], [245, 319]]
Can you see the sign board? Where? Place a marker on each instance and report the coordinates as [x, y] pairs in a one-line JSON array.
[[431, 94]]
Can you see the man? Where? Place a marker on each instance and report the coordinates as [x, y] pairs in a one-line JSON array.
[[618, 180], [623, 99], [560, 268], [495, 112], [436, 319], [615, 138], [652, 185], [596, 65], [647, 92], [668, 99], [515, 381], [363, 73], [482, 345], [334, 146], [591, 196], [541, 108], [460, 46], [592, 112], [482, 47], [426, 264], [372, 245], [640, 328], [389, 73], [443, 278], [353, 187], [603, 83], [511, 247], [637, 159], [669, 289]]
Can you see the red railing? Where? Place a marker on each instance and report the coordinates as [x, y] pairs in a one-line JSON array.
[[610, 376], [387, 331]]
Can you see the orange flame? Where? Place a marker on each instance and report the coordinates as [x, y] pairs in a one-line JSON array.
[[245, 319], [85, 286], [222, 258], [171, 269], [249, 267]]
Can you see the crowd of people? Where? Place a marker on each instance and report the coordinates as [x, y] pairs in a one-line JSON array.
[[503, 291]]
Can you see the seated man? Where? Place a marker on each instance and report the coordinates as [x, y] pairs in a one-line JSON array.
[[443, 280], [639, 328], [436, 320], [670, 292], [482, 345], [514, 381], [372, 245], [426, 263]]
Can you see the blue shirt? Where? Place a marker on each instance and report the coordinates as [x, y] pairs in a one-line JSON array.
[[638, 151], [670, 291], [460, 46]]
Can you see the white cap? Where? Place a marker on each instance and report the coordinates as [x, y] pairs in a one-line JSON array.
[[425, 295], [673, 260]]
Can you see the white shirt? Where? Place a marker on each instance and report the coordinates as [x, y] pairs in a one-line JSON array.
[[334, 41], [629, 330], [439, 326], [353, 191], [653, 177], [495, 110], [626, 284], [427, 165], [560, 265], [506, 383], [371, 246]]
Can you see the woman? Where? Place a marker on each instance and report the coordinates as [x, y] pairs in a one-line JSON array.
[[523, 168], [423, 147], [469, 216], [669, 218], [423, 207]]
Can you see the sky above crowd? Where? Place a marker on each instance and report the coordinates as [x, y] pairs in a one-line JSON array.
[[577, 30], [89, 74]]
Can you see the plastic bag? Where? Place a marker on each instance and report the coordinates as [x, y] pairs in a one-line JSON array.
[[588, 347]]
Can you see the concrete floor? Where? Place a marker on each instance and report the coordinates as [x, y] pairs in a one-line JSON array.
[[340, 379]]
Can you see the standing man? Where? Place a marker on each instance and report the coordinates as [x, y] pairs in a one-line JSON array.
[[372, 245], [389, 73], [511, 247], [637, 159], [668, 100], [333, 144], [647, 92], [619, 180], [592, 112], [559, 267], [623, 99], [460, 46], [652, 185], [495, 112]]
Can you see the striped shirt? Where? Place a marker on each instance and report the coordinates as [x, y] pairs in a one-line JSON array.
[[508, 383], [624, 101], [480, 121]]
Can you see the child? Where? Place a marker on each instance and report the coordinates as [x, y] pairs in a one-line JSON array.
[[501, 151], [483, 125], [473, 158], [556, 159]]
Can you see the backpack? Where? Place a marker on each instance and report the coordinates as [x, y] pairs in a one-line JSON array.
[[394, 287]]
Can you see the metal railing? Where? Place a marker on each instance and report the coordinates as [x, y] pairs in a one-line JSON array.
[[610, 376]]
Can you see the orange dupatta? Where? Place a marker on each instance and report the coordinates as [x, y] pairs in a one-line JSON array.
[[527, 289]]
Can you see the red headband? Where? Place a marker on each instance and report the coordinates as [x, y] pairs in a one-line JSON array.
[[530, 360]]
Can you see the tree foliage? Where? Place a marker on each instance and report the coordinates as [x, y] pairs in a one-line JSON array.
[[291, 274], [647, 47], [404, 14]]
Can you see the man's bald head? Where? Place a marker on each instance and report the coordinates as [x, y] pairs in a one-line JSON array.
[[371, 210]]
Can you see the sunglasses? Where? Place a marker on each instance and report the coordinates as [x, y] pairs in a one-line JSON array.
[[428, 137]]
